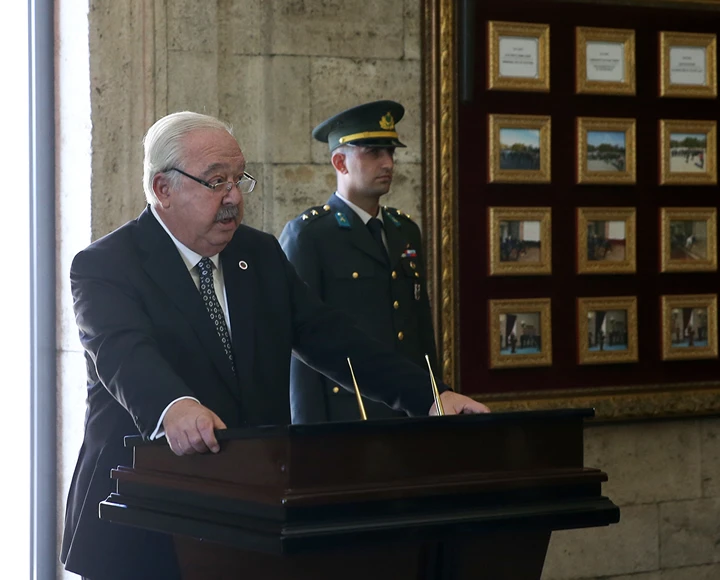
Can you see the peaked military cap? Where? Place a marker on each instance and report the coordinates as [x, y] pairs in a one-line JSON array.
[[368, 125]]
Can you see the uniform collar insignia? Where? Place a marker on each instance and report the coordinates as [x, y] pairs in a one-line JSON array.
[[392, 218], [342, 220]]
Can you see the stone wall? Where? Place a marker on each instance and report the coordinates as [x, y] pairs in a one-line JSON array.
[[274, 69], [665, 477]]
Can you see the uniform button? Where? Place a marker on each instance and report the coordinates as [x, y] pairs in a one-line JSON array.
[[412, 265], [417, 274], [356, 275], [336, 390], [396, 305], [326, 207], [401, 335], [394, 274]]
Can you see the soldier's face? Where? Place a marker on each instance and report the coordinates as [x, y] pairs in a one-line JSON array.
[[370, 169]]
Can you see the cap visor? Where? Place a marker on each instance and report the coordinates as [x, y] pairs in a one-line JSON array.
[[376, 143]]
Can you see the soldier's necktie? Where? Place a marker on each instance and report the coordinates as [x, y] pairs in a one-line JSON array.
[[376, 228], [217, 315]]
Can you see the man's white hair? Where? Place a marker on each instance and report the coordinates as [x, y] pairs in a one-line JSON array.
[[163, 145]]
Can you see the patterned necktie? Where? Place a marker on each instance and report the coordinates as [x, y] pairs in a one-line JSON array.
[[376, 227], [207, 291]]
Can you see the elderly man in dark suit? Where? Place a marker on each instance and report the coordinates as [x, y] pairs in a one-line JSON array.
[[361, 258], [188, 320]]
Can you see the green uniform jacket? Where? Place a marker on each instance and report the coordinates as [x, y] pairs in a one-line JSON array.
[[335, 254]]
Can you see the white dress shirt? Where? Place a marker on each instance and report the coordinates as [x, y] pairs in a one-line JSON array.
[[191, 260], [365, 216]]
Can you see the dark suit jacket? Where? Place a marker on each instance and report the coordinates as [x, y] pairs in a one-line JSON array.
[[335, 254], [149, 340]]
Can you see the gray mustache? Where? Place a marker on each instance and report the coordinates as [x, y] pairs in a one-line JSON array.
[[227, 212]]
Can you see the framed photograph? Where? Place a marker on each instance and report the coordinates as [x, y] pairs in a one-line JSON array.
[[606, 240], [520, 241], [688, 239], [604, 61], [606, 150], [519, 149], [689, 326], [607, 330], [520, 333], [688, 65], [688, 152], [519, 56]]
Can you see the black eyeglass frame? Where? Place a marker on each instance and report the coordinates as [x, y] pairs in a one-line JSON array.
[[246, 176]]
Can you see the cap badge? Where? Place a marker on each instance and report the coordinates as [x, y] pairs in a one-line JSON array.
[[387, 122]]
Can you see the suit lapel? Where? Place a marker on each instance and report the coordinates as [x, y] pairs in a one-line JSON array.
[[358, 232], [166, 267], [239, 273]]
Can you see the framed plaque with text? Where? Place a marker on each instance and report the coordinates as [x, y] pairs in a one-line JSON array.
[[688, 65], [604, 61], [519, 56]]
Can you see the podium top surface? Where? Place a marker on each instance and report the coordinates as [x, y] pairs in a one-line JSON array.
[[400, 424]]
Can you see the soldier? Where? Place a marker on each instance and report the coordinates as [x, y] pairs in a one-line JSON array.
[[361, 258]]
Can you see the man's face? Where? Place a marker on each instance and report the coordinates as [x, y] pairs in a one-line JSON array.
[[369, 170], [201, 218]]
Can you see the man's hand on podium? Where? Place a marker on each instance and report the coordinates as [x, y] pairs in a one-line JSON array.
[[190, 428], [455, 404]]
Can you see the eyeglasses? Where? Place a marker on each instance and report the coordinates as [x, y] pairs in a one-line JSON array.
[[245, 184]]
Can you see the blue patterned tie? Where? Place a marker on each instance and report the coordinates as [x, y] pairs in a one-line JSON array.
[[207, 291]]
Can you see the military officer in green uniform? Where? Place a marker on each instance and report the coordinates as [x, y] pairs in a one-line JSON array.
[[361, 257]]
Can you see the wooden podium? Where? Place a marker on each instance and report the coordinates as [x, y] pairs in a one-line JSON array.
[[451, 498]]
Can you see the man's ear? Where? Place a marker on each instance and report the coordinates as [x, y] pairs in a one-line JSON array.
[[161, 189], [338, 162]]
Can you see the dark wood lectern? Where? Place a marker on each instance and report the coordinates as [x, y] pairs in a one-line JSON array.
[[451, 498]]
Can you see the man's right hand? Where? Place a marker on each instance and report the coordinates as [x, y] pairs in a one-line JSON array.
[[190, 428]]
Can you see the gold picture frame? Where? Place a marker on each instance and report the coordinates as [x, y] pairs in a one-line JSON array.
[[607, 330], [525, 340], [518, 56], [688, 239], [604, 61], [688, 152], [519, 148], [689, 326], [688, 65], [606, 240], [605, 150], [520, 241]]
